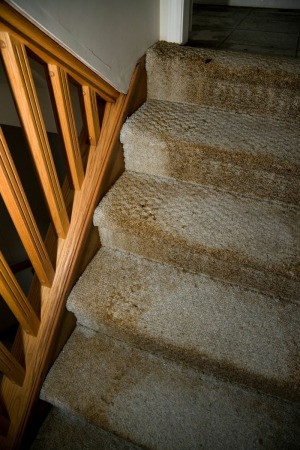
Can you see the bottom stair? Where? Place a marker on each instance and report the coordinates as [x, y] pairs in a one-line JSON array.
[[158, 403]]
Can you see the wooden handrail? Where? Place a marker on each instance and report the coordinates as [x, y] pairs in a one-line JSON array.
[[52, 53], [10, 366], [18, 206], [16, 299], [59, 81], [19, 74]]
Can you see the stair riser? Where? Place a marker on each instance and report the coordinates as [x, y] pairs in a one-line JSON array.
[[232, 96], [183, 163], [221, 266]]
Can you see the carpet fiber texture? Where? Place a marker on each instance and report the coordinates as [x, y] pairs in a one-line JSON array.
[[188, 318]]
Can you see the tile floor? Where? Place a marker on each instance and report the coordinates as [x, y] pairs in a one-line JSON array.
[[253, 30]]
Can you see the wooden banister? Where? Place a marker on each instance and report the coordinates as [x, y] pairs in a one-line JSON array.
[[15, 298], [10, 366], [90, 104], [57, 260], [17, 205], [19, 73], [60, 86]]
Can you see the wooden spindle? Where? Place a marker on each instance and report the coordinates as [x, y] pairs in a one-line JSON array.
[[92, 116], [10, 366], [21, 81], [19, 209], [61, 91], [15, 298]]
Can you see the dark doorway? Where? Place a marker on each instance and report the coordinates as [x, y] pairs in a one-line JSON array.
[[243, 29]]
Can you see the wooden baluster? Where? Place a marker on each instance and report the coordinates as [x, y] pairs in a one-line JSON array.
[[17, 204], [20, 77], [15, 298], [10, 366], [92, 116], [60, 86]]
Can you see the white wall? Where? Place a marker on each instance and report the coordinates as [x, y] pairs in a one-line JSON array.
[[108, 35], [288, 4]]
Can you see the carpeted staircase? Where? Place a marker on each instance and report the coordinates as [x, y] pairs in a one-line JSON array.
[[188, 317]]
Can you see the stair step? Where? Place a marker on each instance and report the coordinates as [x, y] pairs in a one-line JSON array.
[[239, 239], [221, 329], [158, 404], [236, 152], [64, 430], [234, 81]]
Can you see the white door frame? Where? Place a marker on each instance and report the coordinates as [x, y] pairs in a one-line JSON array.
[[175, 20]]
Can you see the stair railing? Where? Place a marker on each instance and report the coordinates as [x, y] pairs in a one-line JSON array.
[[55, 258]]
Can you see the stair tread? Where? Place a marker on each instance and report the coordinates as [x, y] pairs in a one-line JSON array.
[[265, 142], [223, 329], [235, 62], [199, 220], [158, 404]]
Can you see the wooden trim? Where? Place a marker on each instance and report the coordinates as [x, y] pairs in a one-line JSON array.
[[19, 403], [51, 52], [17, 204], [10, 366], [15, 298], [60, 86], [20, 77], [91, 112]]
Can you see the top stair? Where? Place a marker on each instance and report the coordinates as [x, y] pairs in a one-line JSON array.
[[232, 81]]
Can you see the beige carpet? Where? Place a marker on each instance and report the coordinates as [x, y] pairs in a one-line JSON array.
[[188, 328]]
